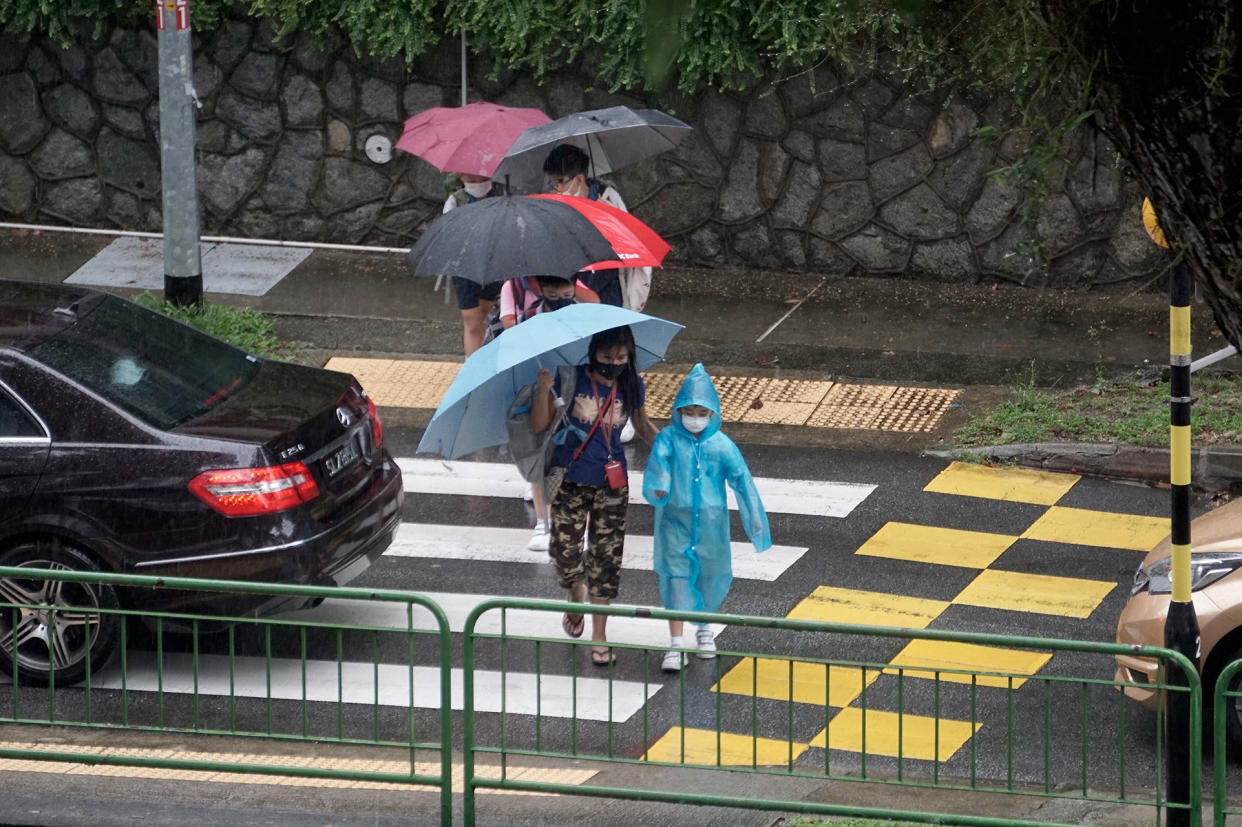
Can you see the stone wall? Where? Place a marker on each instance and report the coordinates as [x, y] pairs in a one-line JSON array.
[[829, 172]]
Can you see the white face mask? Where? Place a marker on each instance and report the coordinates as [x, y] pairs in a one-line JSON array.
[[479, 189], [695, 424]]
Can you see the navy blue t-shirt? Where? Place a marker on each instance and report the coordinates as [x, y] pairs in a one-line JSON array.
[[588, 469]]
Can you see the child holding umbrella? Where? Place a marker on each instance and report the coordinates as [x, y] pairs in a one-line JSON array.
[[689, 466], [607, 391]]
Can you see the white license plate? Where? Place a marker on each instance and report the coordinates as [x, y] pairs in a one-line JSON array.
[[341, 459]]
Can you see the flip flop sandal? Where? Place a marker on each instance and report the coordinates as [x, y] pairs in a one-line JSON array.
[[602, 657], [571, 628]]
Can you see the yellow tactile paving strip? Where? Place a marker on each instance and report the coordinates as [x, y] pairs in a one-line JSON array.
[[407, 383], [880, 732], [552, 775]]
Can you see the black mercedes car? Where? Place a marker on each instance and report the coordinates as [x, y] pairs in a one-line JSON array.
[[130, 442]]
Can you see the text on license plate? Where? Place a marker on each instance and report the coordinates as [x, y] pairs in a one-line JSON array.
[[341, 459]]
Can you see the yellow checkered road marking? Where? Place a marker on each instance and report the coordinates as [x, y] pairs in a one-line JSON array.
[[832, 605], [706, 747], [1014, 484], [887, 733], [942, 546], [924, 659], [1098, 528], [812, 683], [1017, 592]]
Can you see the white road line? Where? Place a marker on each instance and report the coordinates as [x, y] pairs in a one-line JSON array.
[[552, 696], [508, 545], [517, 622], [817, 498]]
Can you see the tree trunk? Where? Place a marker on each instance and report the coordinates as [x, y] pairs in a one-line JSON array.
[[1167, 82]]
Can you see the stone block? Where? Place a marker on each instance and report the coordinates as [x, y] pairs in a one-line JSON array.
[[17, 187], [899, 172], [61, 155], [920, 214], [845, 208], [23, 124], [73, 109]]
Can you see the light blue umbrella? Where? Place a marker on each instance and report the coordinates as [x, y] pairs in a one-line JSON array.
[[472, 414]]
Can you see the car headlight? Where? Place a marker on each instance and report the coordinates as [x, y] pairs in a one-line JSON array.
[[1205, 569]]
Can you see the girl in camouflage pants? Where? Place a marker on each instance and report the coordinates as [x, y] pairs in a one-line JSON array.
[[594, 496]]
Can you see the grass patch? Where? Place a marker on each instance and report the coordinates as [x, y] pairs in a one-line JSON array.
[[244, 327], [1128, 413]]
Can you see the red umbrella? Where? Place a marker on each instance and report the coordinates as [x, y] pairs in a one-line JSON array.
[[471, 138], [636, 244]]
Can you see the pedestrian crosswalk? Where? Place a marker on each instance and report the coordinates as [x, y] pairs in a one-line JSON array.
[[550, 691]]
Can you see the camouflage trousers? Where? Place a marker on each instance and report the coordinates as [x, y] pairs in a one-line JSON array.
[[603, 509]]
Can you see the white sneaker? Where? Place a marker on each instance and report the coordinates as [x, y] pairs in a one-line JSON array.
[[627, 432], [541, 539], [707, 643], [671, 662]]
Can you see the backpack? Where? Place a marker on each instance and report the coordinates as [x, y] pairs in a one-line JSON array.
[[494, 327], [531, 452]]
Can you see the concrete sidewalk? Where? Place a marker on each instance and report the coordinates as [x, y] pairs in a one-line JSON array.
[[860, 364]]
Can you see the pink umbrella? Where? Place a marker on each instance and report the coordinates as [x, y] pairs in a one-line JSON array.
[[471, 138]]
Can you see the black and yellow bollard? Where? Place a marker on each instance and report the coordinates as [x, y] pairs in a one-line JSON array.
[[1181, 626]]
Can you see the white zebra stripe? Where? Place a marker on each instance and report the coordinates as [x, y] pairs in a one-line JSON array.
[[508, 545], [816, 498]]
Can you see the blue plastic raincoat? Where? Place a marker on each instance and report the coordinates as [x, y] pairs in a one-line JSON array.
[[692, 555]]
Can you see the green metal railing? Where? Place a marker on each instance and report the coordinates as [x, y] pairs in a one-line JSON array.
[[1221, 697], [218, 660], [917, 723], [720, 710]]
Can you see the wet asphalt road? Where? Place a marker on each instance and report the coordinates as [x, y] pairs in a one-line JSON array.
[[830, 560]]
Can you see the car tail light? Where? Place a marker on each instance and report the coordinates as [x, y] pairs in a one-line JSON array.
[[244, 492], [377, 427]]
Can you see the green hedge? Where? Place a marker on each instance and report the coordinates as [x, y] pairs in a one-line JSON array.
[[633, 44]]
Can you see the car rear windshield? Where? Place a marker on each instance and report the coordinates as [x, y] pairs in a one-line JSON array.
[[158, 369]]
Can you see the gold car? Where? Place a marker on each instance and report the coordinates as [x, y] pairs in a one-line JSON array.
[[1216, 591]]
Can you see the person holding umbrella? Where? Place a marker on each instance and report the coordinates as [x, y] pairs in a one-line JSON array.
[[595, 491], [474, 301], [566, 168], [468, 140]]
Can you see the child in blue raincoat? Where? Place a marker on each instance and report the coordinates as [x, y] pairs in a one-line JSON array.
[[690, 463]]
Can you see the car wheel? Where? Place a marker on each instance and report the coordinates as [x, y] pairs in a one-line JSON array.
[[61, 634]]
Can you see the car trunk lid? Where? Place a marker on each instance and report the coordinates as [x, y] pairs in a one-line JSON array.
[[299, 414]]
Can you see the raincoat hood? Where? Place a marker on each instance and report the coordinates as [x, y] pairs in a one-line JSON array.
[[697, 389]]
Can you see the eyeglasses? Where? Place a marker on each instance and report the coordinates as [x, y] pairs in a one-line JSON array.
[[558, 182]]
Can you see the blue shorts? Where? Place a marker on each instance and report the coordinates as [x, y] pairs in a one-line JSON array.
[[470, 292]]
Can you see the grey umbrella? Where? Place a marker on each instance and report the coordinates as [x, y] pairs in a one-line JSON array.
[[613, 138]]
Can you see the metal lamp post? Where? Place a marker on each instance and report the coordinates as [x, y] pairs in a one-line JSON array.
[[183, 268]]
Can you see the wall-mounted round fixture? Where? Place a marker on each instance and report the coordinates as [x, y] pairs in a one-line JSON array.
[[379, 149]]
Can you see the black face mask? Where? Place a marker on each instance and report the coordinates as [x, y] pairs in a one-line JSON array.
[[609, 371], [557, 304]]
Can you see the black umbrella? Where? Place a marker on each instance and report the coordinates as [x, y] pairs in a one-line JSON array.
[[613, 138], [505, 237]]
